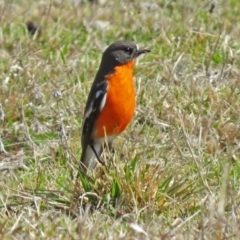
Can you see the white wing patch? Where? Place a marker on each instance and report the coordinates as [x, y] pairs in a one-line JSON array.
[[88, 112], [98, 93], [103, 102], [103, 95]]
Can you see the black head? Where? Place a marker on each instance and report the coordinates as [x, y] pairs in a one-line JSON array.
[[122, 52]]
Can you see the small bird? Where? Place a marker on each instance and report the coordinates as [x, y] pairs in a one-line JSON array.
[[111, 102]]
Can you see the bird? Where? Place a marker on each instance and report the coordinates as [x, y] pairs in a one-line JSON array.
[[111, 101]]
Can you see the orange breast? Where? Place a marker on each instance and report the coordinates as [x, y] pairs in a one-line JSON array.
[[120, 103]]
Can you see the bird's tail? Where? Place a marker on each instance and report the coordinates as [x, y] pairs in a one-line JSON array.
[[89, 159]]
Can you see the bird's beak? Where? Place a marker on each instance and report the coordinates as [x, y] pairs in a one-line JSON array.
[[142, 51]]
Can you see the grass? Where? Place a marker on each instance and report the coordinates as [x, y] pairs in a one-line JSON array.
[[175, 172]]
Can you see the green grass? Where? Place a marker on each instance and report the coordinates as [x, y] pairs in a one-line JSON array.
[[176, 169]]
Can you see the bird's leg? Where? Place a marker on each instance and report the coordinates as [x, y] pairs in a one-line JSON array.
[[99, 160]]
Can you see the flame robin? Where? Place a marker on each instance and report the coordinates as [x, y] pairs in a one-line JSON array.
[[111, 101]]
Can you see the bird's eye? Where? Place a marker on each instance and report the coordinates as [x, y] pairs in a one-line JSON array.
[[128, 50]]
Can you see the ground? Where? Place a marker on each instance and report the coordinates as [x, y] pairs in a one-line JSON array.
[[175, 170]]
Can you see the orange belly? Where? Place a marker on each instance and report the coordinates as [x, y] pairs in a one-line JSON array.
[[120, 103]]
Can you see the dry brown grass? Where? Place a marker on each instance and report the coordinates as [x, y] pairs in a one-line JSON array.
[[175, 173]]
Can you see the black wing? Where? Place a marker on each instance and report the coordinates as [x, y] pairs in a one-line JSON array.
[[95, 103]]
